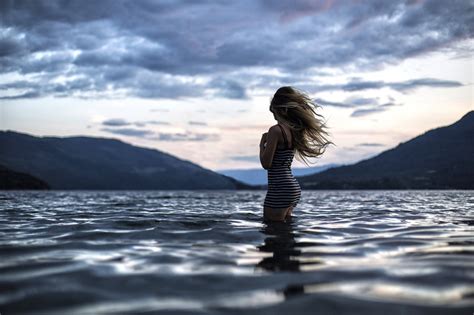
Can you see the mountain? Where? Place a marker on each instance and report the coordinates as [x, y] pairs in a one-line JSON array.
[[99, 163], [441, 158], [258, 176], [14, 180]]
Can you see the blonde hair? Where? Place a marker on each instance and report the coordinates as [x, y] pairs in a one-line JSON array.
[[296, 109]]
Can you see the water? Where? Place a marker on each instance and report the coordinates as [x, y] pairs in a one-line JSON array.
[[208, 252]]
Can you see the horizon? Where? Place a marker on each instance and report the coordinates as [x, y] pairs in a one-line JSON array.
[[382, 74]]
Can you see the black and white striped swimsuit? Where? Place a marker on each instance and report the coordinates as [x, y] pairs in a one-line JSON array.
[[283, 188]]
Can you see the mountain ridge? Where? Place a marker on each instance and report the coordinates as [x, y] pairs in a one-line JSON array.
[[440, 158], [81, 162]]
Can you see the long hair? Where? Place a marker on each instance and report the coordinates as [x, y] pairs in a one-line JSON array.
[[296, 109]]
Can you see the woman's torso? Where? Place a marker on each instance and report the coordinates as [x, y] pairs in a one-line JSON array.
[[283, 188]]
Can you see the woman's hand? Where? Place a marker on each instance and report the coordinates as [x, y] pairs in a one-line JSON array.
[[263, 140]]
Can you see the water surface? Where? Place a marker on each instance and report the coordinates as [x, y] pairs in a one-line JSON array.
[[208, 252]]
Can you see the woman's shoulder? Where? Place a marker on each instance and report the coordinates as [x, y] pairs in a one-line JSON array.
[[275, 131], [275, 128]]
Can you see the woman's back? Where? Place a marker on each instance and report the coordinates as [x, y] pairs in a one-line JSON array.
[[283, 154]]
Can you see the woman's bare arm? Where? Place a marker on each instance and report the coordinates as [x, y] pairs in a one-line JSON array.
[[267, 151]]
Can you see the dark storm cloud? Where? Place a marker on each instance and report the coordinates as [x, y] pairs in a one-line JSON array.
[[155, 49]]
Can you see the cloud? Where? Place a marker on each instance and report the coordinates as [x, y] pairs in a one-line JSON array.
[[188, 136], [362, 101], [229, 88], [197, 123], [427, 82], [163, 136], [133, 132], [115, 122], [324, 102], [400, 86], [367, 111], [151, 122], [25, 95], [119, 122], [173, 50], [350, 102], [364, 105]]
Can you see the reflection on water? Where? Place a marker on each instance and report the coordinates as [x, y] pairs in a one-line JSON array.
[[344, 252], [280, 242]]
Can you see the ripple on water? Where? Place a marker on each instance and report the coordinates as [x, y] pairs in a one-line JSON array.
[[209, 252]]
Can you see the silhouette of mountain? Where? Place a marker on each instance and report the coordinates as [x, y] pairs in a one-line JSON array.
[[441, 158], [258, 176], [14, 180], [99, 163]]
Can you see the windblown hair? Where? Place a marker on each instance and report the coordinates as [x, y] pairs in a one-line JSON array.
[[296, 109]]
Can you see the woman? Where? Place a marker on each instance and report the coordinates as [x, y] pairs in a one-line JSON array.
[[298, 131]]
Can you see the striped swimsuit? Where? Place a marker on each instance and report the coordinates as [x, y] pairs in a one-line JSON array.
[[283, 188]]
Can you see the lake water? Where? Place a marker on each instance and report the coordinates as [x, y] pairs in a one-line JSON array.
[[208, 252]]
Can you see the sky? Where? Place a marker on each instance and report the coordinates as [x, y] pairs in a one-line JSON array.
[[195, 78]]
